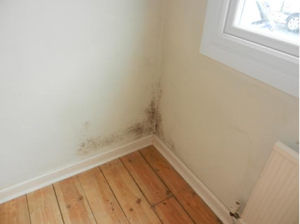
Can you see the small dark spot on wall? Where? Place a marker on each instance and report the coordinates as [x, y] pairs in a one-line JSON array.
[[80, 198], [138, 201], [131, 209], [68, 206], [113, 209], [168, 192]]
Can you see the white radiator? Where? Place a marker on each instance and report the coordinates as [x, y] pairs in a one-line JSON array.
[[275, 199]]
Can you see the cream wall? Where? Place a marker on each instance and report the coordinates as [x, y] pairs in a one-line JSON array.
[[77, 77], [220, 122]]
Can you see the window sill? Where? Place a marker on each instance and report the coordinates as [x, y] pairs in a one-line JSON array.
[[272, 67]]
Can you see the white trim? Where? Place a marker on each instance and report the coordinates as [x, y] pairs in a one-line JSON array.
[[287, 152], [249, 33], [71, 170], [208, 197], [60, 174], [272, 67]]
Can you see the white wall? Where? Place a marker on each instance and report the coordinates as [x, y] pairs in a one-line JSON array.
[[220, 122], [76, 77]]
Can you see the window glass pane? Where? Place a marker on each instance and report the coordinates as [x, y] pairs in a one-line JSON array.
[[276, 18]]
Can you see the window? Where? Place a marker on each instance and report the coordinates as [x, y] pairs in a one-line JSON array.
[[257, 37]]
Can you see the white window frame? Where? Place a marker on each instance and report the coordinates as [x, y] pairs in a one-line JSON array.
[[273, 67]]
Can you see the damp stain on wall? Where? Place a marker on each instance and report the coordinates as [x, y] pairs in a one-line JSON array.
[[132, 132], [158, 125], [159, 131]]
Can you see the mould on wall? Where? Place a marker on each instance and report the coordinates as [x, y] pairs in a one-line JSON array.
[[93, 144], [160, 133], [151, 113], [158, 125], [133, 132], [159, 129]]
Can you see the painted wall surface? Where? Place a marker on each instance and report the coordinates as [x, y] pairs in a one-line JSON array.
[[220, 122], [77, 77]]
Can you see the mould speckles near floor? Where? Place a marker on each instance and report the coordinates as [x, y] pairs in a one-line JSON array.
[[151, 113], [133, 132], [93, 144], [158, 125], [160, 133]]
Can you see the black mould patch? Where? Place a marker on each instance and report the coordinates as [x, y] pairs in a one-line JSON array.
[[135, 131]]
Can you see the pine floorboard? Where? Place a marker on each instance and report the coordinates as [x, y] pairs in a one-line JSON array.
[[15, 211], [73, 203], [171, 212], [133, 202], [43, 206], [189, 200], [151, 185], [139, 188], [103, 203]]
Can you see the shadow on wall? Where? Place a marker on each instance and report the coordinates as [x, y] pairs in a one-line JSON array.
[[136, 131]]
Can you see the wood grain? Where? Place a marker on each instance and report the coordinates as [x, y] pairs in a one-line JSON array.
[[141, 187], [153, 188], [15, 211], [191, 202], [134, 204], [164, 170], [72, 201], [196, 207], [101, 199], [170, 212], [43, 206]]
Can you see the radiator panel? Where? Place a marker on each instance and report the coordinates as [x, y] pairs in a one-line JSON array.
[[275, 199]]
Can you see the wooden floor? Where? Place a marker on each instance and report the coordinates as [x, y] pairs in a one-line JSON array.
[[138, 188]]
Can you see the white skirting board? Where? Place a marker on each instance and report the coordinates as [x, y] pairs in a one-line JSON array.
[[49, 178], [73, 169], [208, 197]]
